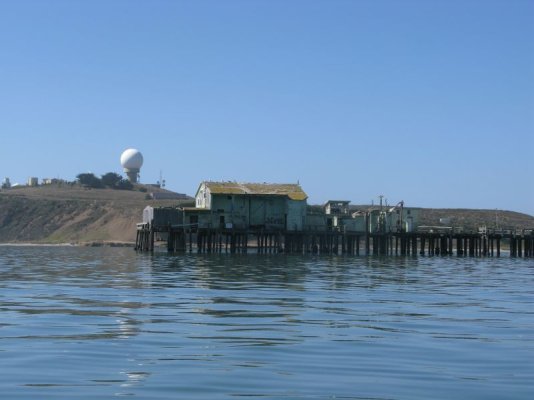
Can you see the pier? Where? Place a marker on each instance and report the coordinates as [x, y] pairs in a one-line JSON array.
[[490, 243], [234, 217]]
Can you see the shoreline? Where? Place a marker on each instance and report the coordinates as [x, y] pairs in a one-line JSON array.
[[73, 244]]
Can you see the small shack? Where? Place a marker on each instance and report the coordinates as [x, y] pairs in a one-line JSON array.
[[337, 207], [336, 211], [162, 216]]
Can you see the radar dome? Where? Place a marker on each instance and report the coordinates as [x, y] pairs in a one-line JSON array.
[[131, 158], [131, 161]]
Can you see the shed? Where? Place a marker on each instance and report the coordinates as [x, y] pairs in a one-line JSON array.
[[162, 216], [337, 207]]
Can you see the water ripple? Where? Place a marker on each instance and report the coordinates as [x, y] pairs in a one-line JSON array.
[[117, 323]]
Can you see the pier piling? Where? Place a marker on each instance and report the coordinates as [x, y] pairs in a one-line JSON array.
[[207, 240]]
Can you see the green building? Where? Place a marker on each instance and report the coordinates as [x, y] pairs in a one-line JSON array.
[[233, 205]]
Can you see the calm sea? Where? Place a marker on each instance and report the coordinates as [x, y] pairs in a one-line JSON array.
[[100, 323]]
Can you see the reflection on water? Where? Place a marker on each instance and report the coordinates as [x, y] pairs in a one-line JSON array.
[[118, 323]]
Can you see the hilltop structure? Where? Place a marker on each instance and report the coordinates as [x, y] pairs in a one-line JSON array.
[[132, 161]]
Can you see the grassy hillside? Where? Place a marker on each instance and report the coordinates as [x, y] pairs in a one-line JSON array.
[[72, 214]]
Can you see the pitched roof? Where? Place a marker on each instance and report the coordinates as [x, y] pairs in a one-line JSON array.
[[291, 190]]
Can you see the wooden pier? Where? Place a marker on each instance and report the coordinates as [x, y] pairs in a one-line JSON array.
[[180, 238]]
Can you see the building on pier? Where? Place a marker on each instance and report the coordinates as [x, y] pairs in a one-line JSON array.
[[249, 206], [394, 219], [373, 231], [379, 219], [336, 211], [337, 207], [163, 216]]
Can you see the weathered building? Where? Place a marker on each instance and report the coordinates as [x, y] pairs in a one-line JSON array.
[[337, 207], [354, 223], [379, 219], [336, 211], [393, 220], [249, 206], [162, 216]]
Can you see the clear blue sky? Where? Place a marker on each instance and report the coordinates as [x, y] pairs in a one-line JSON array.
[[430, 102]]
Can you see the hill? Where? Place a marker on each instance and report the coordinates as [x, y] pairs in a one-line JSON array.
[[469, 219], [73, 214]]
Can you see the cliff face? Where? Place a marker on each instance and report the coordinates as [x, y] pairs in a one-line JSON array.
[[71, 215], [76, 215]]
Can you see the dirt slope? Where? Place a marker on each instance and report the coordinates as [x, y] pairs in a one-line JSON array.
[[472, 219], [72, 214]]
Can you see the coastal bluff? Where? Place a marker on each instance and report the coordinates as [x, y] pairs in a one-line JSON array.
[[75, 215]]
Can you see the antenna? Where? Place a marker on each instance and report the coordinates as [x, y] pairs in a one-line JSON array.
[[161, 181]]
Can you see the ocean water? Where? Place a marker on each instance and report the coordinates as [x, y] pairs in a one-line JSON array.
[[101, 323]]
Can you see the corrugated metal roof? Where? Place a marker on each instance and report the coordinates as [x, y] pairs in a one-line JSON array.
[[291, 190]]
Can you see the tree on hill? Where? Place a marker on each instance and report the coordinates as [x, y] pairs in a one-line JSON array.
[[124, 184], [115, 181], [111, 179], [89, 180]]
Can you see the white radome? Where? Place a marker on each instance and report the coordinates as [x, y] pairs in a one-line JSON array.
[[131, 159]]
